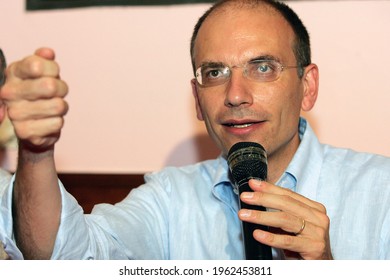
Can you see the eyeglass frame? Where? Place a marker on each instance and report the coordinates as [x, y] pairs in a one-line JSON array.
[[3, 66], [279, 67]]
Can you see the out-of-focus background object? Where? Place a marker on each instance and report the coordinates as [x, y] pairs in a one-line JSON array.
[[128, 69]]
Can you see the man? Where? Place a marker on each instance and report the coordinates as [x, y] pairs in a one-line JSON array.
[[253, 76]]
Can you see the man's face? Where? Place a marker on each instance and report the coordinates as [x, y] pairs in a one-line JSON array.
[[243, 109]]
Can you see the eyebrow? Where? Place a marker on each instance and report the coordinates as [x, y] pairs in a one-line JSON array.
[[214, 64], [264, 57]]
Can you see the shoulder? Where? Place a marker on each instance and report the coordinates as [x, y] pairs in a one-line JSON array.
[[171, 174], [347, 161], [174, 184]]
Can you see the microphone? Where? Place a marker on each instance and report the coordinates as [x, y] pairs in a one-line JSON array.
[[248, 160]]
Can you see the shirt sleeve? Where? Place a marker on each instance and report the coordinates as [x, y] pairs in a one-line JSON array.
[[6, 222], [134, 228]]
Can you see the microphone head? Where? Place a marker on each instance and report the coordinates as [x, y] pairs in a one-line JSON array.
[[247, 160]]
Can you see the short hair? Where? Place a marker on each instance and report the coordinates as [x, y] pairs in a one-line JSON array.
[[301, 47], [3, 65]]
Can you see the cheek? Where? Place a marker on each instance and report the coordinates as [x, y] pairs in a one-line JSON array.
[[207, 105], [289, 98]]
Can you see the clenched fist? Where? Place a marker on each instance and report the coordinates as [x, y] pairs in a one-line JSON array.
[[34, 97]]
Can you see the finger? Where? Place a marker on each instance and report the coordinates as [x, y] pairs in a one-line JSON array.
[[266, 187], [273, 197], [45, 53], [33, 67], [307, 248], [34, 89], [281, 202], [39, 132], [290, 211], [40, 109], [279, 220]]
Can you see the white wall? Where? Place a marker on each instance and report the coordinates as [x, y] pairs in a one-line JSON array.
[[128, 68]]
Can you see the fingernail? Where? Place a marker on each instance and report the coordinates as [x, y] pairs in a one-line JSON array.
[[247, 195], [261, 234], [244, 213]]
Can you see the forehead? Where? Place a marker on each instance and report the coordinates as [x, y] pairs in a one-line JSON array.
[[234, 35]]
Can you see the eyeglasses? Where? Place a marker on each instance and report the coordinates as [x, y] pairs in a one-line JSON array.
[[3, 65], [259, 70]]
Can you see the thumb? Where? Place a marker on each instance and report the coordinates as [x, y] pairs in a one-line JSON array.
[[45, 52]]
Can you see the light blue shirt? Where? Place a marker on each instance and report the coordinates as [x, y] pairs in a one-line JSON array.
[[5, 221], [191, 212]]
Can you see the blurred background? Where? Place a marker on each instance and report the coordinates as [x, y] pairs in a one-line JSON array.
[[129, 72]]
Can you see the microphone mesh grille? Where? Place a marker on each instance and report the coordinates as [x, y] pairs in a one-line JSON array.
[[247, 160]]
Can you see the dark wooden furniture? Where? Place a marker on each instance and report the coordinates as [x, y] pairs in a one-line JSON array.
[[90, 189]]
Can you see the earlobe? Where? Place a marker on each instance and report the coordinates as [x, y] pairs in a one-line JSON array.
[[199, 114], [310, 83]]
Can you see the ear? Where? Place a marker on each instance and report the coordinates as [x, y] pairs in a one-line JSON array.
[[195, 93], [310, 84]]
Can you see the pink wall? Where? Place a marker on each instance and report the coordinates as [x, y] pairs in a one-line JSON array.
[[128, 68]]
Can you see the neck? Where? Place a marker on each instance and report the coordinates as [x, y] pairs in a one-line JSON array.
[[280, 159]]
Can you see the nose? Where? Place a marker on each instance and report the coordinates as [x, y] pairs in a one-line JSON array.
[[238, 91]]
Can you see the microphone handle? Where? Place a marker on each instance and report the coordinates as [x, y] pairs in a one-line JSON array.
[[254, 250]]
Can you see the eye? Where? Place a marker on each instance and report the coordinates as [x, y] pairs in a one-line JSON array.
[[264, 67], [213, 73]]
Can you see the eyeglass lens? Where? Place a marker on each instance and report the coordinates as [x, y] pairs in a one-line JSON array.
[[258, 70]]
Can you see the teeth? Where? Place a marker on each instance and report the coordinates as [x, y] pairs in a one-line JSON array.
[[241, 125]]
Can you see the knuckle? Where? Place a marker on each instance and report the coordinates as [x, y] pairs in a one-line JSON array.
[[35, 66], [57, 124], [324, 220], [50, 86], [257, 215], [64, 90], [288, 240], [284, 217], [322, 208], [60, 106]]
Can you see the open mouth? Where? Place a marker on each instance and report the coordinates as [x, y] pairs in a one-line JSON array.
[[241, 125]]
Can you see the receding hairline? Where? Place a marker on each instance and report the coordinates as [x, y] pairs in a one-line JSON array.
[[225, 7]]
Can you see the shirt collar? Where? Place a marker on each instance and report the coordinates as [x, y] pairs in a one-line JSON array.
[[303, 172], [223, 189], [221, 174]]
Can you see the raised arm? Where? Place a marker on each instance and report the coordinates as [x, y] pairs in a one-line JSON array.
[[34, 96]]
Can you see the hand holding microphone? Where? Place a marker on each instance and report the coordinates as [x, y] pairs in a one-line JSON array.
[[300, 226]]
